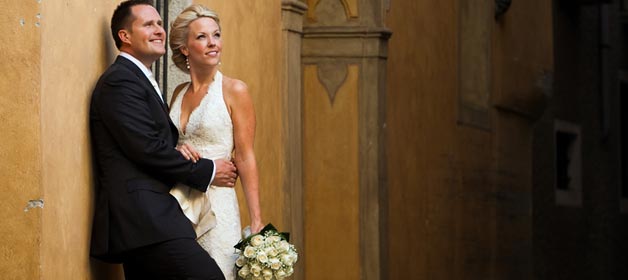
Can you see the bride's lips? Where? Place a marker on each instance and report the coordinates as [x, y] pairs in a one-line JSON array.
[[212, 53]]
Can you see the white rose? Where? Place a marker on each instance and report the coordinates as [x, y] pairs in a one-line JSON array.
[[249, 252], [262, 257], [267, 273], [275, 264], [280, 274], [244, 271], [257, 240], [256, 270], [273, 239], [241, 261], [270, 251], [293, 257], [289, 271], [282, 246], [285, 259]]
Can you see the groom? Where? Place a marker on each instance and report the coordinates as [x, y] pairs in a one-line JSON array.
[[136, 221]]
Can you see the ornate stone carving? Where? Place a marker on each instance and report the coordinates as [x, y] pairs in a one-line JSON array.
[[350, 8], [332, 75]]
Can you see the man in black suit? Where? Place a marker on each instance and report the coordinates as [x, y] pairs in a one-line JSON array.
[[136, 221]]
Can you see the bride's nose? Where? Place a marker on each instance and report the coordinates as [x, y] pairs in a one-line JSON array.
[[212, 41]]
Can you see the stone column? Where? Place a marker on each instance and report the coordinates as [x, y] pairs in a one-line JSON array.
[[344, 55], [292, 12]]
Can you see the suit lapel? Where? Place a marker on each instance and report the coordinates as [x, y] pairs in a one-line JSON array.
[[146, 83]]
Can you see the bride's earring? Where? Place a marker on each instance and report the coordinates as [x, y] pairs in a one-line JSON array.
[[187, 63]]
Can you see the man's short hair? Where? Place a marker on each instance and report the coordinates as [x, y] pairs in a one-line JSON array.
[[122, 17]]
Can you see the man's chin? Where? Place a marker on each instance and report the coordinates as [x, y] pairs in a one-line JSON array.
[[160, 53]]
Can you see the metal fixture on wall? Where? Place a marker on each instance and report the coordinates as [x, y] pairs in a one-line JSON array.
[[501, 6]]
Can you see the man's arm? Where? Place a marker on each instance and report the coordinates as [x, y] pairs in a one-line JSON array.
[[125, 111]]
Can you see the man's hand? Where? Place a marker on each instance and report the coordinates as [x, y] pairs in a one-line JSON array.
[[226, 173]]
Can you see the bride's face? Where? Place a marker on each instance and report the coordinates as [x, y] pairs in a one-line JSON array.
[[204, 44]]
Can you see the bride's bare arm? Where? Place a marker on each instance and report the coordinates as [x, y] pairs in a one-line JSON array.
[[243, 118]]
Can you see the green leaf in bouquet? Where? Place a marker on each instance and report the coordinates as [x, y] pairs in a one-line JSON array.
[[268, 228]]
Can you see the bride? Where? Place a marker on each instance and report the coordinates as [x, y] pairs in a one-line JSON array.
[[214, 115]]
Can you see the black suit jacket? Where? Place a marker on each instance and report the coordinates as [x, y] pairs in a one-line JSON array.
[[136, 164]]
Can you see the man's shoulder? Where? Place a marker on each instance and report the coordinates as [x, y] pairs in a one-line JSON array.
[[117, 77], [120, 65], [118, 71]]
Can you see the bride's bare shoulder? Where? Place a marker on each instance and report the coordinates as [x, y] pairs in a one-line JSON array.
[[234, 86]]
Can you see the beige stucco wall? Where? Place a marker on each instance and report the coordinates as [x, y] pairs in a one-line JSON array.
[[331, 177], [52, 62], [53, 54], [20, 152], [76, 48]]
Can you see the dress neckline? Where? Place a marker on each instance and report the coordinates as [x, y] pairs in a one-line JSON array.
[[210, 88]]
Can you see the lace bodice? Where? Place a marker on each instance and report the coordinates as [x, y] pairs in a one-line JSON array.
[[215, 214], [209, 129]]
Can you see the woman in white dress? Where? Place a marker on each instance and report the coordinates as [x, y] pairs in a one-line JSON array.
[[216, 119]]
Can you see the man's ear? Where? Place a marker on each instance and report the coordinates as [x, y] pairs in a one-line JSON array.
[[124, 36]]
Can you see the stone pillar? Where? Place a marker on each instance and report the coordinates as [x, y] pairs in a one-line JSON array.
[[292, 12], [344, 66]]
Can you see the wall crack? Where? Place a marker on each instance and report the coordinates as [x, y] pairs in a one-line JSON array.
[[35, 203]]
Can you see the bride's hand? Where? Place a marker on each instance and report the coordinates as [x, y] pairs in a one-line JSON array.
[[256, 227], [188, 152]]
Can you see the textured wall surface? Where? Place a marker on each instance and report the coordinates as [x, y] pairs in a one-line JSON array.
[[76, 48], [459, 162], [331, 180], [421, 109], [585, 94], [54, 52], [21, 164]]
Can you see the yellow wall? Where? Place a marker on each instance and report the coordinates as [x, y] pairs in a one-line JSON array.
[[52, 62], [20, 152], [252, 46], [76, 48], [330, 177], [444, 222]]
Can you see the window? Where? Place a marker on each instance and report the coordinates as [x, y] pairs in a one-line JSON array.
[[567, 164]]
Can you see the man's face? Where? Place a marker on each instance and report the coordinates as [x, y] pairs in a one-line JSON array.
[[146, 36]]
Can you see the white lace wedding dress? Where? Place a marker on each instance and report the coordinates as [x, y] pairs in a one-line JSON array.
[[214, 214]]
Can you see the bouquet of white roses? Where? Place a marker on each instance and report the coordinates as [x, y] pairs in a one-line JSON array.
[[266, 255]]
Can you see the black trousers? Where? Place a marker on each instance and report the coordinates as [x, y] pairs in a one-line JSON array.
[[180, 259]]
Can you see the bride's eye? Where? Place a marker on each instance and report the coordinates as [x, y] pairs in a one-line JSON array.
[[217, 35]]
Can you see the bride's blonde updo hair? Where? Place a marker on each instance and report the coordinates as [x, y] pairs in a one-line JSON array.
[[180, 29]]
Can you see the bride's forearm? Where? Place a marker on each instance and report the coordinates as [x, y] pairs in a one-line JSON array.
[[247, 170]]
